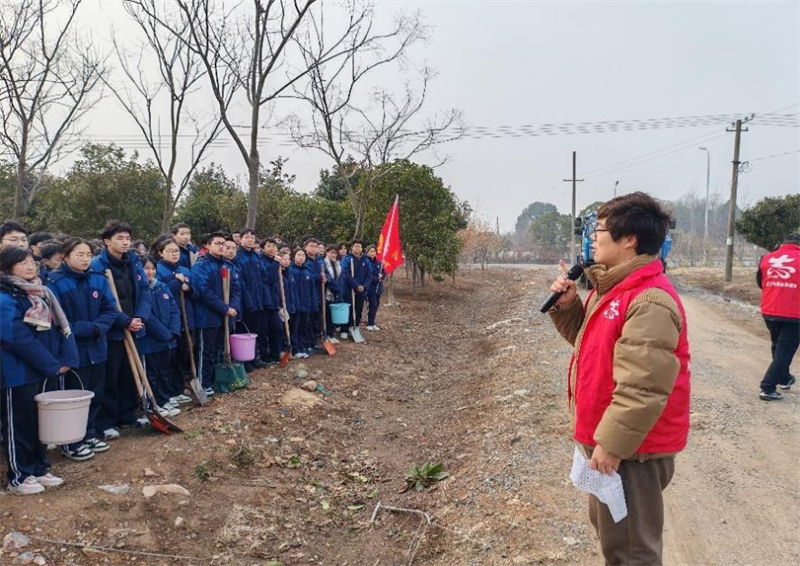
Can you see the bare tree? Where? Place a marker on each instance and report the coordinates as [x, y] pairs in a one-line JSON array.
[[179, 72], [47, 81], [374, 128], [249, 50]]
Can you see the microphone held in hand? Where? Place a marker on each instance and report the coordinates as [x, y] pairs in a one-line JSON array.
[[574, 272]]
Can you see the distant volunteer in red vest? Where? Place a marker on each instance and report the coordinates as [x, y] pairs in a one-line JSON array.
[[779, 279], [629, 376]]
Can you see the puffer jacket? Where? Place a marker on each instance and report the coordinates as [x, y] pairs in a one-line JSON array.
[[141, 295], [165, 272], [28, 355], [90, 307], [251, 271], [629, 376], [164, 323]]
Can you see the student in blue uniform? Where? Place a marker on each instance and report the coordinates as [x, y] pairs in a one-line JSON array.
[[272, 326], [285, 260], [36, 343], [374, 288], [315, 264], [50, 258], [158, 347], [91, 310], [299, 303], [178, 279], [334, 290], [356, 279], [182, 234], [120, 406], [210, 309], [254, 295]]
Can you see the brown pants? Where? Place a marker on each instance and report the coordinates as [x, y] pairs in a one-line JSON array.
[[637, 539]]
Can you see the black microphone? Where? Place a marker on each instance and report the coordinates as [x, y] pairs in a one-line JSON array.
[[574, 272]]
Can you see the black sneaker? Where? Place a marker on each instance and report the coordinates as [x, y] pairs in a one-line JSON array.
[[770, 396], [80, 453], [788, 385], [258, 364]]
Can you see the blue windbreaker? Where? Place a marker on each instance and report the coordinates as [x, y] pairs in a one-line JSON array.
[[301, 289], [361, 273], [165, 272], [186, 255], [375, 286], [90, 307], [252, 278], [28, 355], [141, 296], [164, 324], [272, 292], [209, 308]]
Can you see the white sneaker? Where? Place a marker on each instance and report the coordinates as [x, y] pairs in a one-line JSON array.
[[168, 411], [110, 434], [28, 487], [343, 335], [142, 422], [49, 480], [376, 327], [209, 391], [180, 400], [371, 328], [334, 341]]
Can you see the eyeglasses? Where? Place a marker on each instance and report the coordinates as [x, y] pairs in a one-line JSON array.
[[82, 256], [218, 243], [596, 230], [28, 263]]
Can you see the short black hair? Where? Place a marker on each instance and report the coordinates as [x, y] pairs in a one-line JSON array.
[[343, 245], [178, 225], [357, 241], [49, 248], [310, 241], [792, 238], [38, 237], [297, 251], [248, 231], [113, 227], [332, 248], [11, 256], [211, 235], [268, 241], [637, 214], [11, 226], [235, 232], [72, 243]]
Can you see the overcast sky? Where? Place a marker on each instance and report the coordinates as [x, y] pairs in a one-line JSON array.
[[530, 63]]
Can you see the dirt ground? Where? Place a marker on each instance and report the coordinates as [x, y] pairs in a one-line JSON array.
[[471, 376]]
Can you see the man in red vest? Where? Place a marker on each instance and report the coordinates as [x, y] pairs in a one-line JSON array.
[[779, 279], [629, 376]]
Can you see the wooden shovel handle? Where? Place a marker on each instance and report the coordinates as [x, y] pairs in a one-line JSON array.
[[283, 304]]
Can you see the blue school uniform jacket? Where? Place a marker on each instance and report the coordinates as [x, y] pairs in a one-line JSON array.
[[186, 255], [252, 278], [316, 266], [300, 289], [28, 355], [270, 273], [361, 274], [165, 272], [164, 324], [375, 286], [141, 296], [90, 307], [209, 308]]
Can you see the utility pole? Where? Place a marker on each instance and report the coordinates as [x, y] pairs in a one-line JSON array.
[[732, 204], [574, 182], [705, 213], [497, 224]]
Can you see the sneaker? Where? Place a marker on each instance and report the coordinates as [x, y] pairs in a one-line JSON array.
[[110, 434], [770, 396], [97, 445], [29, 487], [209, 391], [376, 327], [168, 410], [258, 364], [179, 400], [49, 480], [371, 328], [142, 422], [788, 385], [343, 335], [334, 340], [80, 453]]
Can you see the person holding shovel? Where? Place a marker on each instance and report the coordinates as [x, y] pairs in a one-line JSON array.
[[356, 278], [91, 310], [272, 337], [120, 406], [210, 310], [36, 343]]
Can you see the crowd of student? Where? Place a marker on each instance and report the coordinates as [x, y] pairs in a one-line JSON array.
[[63, 317]]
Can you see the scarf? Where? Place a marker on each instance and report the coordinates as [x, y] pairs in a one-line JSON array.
[[44, 305], [334, 269]]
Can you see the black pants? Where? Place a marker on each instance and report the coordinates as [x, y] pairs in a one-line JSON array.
[[92, 378], [360, 298], [272, 330], [120, 403], [785, 335], [158, 367], [298, 328], [314, 325], [19, 429], [210, 344], [181, 368], [372, 308]]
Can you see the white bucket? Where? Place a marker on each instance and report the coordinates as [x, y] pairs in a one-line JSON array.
[[63, 415]]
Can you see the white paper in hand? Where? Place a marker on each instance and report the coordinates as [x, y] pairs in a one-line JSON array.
[[608, 489]]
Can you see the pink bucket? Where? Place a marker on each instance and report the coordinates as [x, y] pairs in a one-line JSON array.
[[243, 347]]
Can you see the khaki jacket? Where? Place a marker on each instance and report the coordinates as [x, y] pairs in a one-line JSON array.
[[644, 370]]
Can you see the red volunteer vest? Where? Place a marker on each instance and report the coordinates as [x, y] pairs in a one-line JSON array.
[[780, 282], [594, 383]]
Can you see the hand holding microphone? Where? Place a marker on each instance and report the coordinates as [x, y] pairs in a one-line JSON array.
[[563, 290]]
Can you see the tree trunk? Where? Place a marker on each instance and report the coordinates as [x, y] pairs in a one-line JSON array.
[[169, 209], [414, 278], [20, 207], [390, 292], [421, 278], [252, 196]]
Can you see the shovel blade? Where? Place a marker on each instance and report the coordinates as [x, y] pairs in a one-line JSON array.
[[329, 347], [356, 334], [285, 358], [198, 391], [162, 424]]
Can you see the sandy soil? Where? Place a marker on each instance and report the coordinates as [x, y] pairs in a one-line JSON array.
[[471, 376]]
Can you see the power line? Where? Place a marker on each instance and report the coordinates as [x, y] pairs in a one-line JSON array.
[[773, 156]]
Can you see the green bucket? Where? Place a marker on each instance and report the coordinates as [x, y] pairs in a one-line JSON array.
[[229, 377]]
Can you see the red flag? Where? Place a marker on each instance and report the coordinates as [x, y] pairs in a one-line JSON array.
[[389, 250]]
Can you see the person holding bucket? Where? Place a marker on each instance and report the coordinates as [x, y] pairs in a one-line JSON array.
[[91, 310], [36, 343], [334, 291], [158, 347], [210, 310]]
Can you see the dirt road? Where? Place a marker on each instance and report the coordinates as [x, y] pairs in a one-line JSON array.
[[471, 376]]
